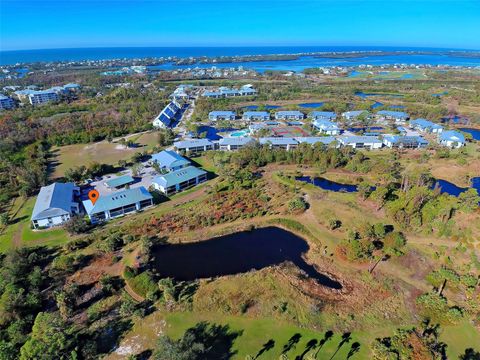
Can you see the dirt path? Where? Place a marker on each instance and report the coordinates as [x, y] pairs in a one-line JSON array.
[[17, 237], [132, 293]]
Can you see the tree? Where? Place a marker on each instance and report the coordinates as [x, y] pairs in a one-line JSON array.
[[51, 338], [137, 169], [203, 341], [4, 219], [77, 225]]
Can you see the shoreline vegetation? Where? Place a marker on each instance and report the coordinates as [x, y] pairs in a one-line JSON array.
[[192, 60]]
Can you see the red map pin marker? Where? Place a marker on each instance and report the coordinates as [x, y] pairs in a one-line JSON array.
[[93, 196]]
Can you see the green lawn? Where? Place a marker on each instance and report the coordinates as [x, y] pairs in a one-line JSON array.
[[19, 232], [460, 337], [254, 333]]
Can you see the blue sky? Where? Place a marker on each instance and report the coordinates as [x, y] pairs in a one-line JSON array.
[[27, 24]]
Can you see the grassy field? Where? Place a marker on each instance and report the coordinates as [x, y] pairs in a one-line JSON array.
[[18, 232], [103, 152], [253, 333]]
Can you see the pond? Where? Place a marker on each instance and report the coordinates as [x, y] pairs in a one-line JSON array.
[[452, 189], [474, 132], [364, 95], [327, 184], [234, 254], [212, 132], [311, 105]]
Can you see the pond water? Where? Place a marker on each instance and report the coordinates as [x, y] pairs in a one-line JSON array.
[[234, 254], [327, 184], [364, 95], [212, 133], [452, 189], [311, 105], [474, 132], [376, 105]]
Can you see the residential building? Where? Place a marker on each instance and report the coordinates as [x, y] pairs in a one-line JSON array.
[[194, 145], [42, 97], [399, 117], [361, 142], [179, 180], [289, 115], [279, 142], [452, 139], [169, 160], [354, 115], [426, 126], [6, 103], [404, 142], [119, 182], [234, 143], [322, 115], [326, 127], [170, 115], [55, 205], [118, 204], [221, 115], [312, 140], [256, 116], [224, 92]]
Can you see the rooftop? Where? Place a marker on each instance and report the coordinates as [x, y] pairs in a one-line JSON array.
[[278, 141], [119, 181], [170, 159], [188, 143], [359, 139], [54, 200], [452, 135], [178, 176], [238, 141], [117, 199]]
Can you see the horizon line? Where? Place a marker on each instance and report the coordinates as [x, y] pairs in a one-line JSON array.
[[245, 46]]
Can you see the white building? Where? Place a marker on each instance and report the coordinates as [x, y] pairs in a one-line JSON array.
[[55, 205], [451, 139], [361, 142]]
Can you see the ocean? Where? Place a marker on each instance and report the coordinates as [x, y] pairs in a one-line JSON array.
[[26, 56]]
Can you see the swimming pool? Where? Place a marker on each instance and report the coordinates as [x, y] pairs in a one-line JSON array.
[[241, 133]]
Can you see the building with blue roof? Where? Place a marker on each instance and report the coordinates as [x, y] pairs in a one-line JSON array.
[[398, 116], [170, 115], [6, 103], [55, 205], [256, 116], [404, 142], [235, 143], [361, 142], [424, 125], [452, 139], [179, 180], [169, 160], [279, 142], [312, 140], [289, 115], [117, 204], [224, 92], [221, 115], [326, 127], [322, 115], [355, 114], [119, 181], [194, 145]]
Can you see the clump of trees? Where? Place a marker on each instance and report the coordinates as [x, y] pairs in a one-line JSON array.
[[366, 239], [435, 306], [414, 343]]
